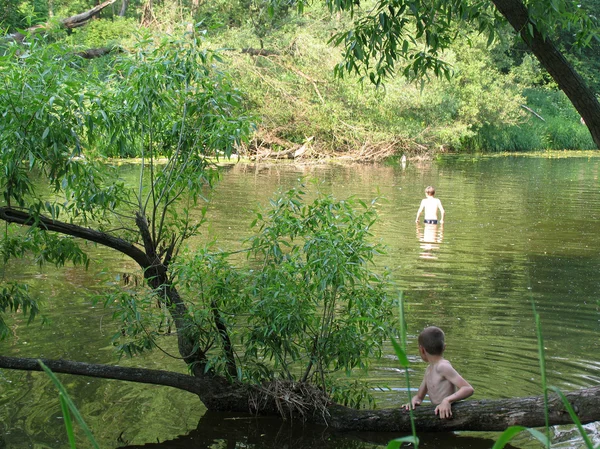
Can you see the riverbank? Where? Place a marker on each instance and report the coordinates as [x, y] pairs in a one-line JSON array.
[[289, 91]]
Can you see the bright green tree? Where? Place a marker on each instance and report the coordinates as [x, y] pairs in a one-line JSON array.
[[315, 307], [409, 37]]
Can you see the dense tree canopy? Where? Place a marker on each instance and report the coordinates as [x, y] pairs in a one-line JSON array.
[[410, 37], [312, 309]]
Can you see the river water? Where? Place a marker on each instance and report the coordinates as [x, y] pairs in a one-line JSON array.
[[519, 230]]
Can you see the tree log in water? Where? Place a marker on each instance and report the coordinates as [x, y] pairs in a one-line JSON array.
[[219, 394]]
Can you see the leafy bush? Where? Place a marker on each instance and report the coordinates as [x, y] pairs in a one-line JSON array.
[[307, 305], [103, 33]]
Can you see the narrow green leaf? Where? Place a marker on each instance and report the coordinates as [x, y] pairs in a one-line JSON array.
[[70, 403], [402, 358], [397, 442], [539, 436], [507, 435], [68, 422], [574, 417]]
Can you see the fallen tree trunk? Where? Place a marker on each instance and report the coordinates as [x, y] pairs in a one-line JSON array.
[[92, 53], [76, 21], [218, 394], [483, 415]]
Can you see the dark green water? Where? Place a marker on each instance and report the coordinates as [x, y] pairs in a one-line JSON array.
[[517, 229]]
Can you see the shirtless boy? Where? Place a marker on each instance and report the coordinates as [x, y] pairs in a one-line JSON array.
[[441, 381], [431, 206]]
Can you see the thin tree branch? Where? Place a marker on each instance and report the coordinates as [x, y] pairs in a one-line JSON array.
[[12, 215]]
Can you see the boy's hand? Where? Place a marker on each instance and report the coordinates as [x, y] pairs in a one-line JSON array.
[[444, 410], [415, 401]]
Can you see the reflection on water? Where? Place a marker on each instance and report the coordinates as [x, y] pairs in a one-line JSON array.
[[514, 233], [224, 430], [430, 236]]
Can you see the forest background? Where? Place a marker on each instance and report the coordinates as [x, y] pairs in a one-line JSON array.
[[498, 99]]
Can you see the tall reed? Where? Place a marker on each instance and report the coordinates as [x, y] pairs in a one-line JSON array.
[[400, 350], [68, 408]]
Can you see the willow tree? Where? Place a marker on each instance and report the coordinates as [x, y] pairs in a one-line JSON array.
[[409, 37], [314, 308]]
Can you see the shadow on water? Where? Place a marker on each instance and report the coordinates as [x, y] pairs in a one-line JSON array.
[[225, 430]]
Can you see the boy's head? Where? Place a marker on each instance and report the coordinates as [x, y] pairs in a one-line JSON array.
[[432, 340], [430, 191]]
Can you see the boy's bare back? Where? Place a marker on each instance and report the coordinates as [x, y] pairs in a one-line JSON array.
[[430, 204], [442, 380]]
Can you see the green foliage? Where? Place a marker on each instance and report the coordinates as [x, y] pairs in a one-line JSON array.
[[166, 99], [217, 288], [17, 14], [16, 297], [355, 394], [316, 298], [412, 32], [139, 319], [103, 33], [409, 37], [11, 17], [262, 16], [307, 306]]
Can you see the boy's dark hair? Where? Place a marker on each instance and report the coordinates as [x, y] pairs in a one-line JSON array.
[[430, 190], [432, 340]]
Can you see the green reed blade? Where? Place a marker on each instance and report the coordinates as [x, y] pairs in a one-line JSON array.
[[513, 431], [396, 443], [70, 404], [542, 358], [574, 417], [68, 422], [403, 359]]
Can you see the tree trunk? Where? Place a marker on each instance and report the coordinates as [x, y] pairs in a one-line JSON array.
[[81, 19], [482, 415], [568, 80], [123, 9], [155, 272], [218, 394]]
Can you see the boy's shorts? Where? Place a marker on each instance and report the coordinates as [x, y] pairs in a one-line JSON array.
[[430, 221]]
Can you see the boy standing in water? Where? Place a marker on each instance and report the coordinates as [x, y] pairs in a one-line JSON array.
[[431, 206], [441, 381]]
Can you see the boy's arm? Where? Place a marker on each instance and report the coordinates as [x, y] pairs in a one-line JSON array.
[[417, 398], [420, 210], [463, 390], [442, 211]]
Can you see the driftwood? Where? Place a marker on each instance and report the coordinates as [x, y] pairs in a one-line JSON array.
[[220, 395], [264, 144], [75, 21]]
